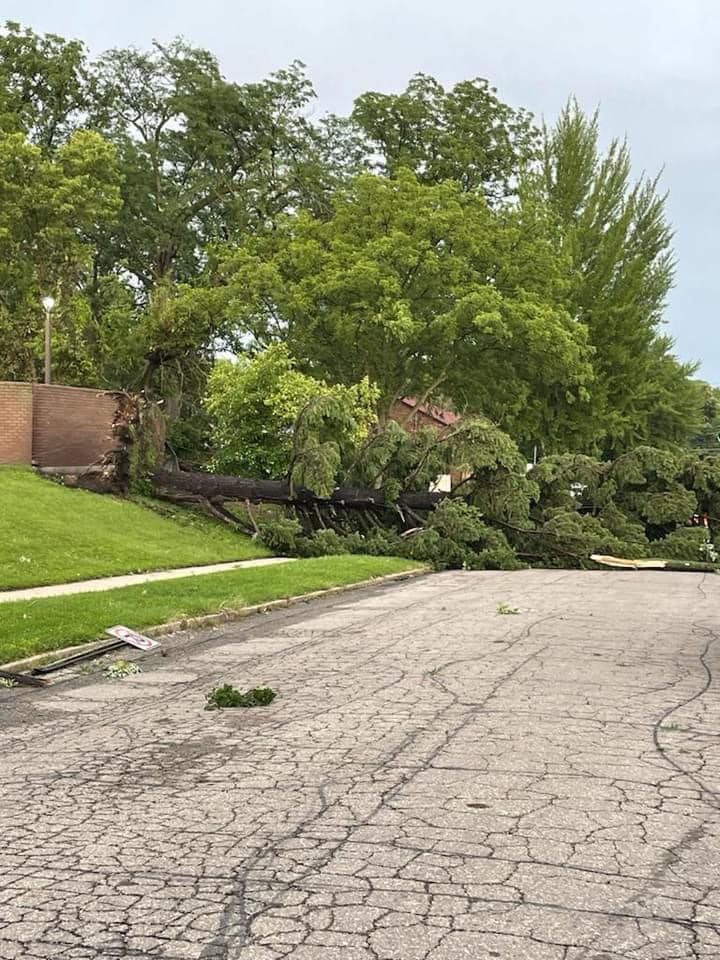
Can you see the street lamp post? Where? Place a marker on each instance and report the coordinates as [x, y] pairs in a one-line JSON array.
[[48, 304]]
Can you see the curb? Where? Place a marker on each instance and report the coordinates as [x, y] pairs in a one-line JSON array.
[[224, 616]]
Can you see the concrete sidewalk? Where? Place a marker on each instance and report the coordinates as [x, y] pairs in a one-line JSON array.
[[129, 580]]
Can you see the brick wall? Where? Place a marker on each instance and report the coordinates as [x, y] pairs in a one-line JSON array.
[[71, 425], [16, 413], [54, 426]]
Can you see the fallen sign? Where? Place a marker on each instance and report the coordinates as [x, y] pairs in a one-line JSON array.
[[122, 636], [135, 639]]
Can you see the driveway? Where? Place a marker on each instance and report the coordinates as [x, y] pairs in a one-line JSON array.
[[435, 781]]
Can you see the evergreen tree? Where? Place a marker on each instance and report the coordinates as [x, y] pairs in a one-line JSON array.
[[618, 241]]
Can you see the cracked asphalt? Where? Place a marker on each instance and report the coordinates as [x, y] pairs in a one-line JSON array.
[[435, 781]]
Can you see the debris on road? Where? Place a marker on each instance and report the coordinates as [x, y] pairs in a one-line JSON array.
[[677, 566], [545, 785], [132, 637], [23, 679], [229, 696], [123, 635], [122, 668], [92, 654]]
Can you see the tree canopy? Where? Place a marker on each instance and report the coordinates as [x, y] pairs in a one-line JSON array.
[[435, 242], [618, 241], [263, 410], [422, 290]]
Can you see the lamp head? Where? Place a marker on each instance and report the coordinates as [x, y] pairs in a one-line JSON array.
[[48, 302]]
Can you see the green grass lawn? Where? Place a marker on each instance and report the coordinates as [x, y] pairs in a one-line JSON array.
[[52, 534], [38, 626]]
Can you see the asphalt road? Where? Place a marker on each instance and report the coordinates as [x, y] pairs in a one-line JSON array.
[[435, 781]]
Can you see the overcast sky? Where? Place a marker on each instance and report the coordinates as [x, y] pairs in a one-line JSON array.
[[653, 66]]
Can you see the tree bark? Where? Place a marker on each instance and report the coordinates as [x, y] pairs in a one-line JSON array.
[[217, 488]]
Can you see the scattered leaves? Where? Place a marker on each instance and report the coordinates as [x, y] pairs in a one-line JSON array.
[[122, 668], [229, 696], [507, 610]]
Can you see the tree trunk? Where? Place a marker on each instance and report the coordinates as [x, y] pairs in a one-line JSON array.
[[216, 488]]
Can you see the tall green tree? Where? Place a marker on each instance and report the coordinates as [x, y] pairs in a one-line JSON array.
[[421, 289], [466, 134], [202, 158], [43, 84], [48, 208], [615, 232], [171, 211]]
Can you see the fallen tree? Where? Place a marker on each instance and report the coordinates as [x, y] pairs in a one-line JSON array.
[[219, 489], [646, 504], [370, 496], [345, 508]]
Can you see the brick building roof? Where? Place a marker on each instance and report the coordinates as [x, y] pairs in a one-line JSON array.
[[443, 418]]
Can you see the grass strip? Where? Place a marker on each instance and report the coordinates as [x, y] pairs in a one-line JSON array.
[[28, 627], [52, 534]]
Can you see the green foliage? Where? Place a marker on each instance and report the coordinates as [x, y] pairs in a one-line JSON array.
[[325, 543], [455, 520], [506, 610], [434, 243], [495, 470], [416, 287], [707, 439], [51, 205], [203, 157], [619, 243], [559, 513], [702, 475], [465, 134], [326, 431], [567, 480], [228, 696], [624, 507], [685, 543], [454, 536], [268, 419], [625, 528], [190, 157], [281, 534], [119, 669], [648, 487], [43, 84], [568, 538]]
